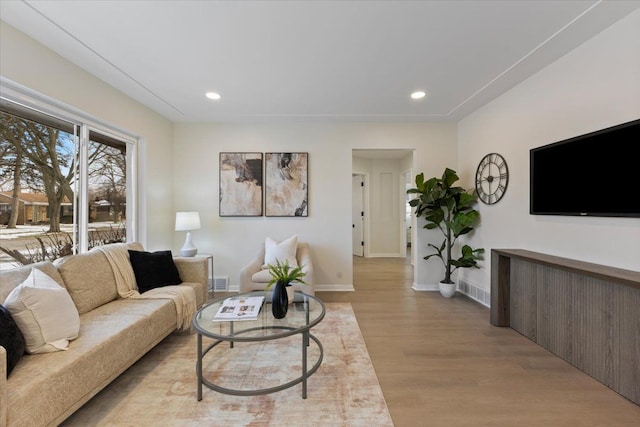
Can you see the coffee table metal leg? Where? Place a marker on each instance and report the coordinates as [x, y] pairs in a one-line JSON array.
[[199, 367], [306, 303], [305, 344]]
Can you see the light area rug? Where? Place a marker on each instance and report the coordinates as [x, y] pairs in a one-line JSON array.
[[160, 389]]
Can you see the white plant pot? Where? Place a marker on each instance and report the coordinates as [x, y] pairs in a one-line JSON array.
[[447, 290]]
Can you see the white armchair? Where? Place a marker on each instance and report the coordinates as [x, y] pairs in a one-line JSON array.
[[254, 278]]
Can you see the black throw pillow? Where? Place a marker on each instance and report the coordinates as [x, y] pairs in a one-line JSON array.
[[154, 269], [11, 339]]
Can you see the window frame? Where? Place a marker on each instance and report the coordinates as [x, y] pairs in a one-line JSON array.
[[85, 123]]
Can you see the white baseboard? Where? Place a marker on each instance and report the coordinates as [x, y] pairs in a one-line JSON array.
[[390, 255], [335, 288], [422, 287]]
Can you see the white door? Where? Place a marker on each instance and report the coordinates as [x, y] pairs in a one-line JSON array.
[[407, 210], [357, 214]]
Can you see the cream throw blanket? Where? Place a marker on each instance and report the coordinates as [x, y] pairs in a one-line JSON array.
[[183, 297]]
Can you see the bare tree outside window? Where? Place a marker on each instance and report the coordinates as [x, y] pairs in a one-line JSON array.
[[107, 189], [39, 173]]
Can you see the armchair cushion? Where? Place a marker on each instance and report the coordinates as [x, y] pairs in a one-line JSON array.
[[262, 276]]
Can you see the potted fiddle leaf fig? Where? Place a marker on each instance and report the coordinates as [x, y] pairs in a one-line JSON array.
[[449, 209], [282, 274]]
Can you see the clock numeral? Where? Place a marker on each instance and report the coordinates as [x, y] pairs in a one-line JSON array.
[[503, 175]]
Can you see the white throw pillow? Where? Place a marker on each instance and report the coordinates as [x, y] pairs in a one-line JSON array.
[[44, 312], [282, 251]]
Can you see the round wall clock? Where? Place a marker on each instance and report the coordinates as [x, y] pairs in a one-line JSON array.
[[492, 177]]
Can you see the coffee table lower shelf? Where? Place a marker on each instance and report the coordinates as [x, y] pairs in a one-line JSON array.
[[307, 337]]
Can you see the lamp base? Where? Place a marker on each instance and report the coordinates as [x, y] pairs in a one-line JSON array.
[[188, 250]]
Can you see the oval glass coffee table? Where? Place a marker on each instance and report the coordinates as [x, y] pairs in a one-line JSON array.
[[303, 314]]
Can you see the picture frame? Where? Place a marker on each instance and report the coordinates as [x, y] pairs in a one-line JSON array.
[[286, 184], [241, 184]]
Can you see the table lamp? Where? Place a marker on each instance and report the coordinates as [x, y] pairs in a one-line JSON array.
[[187, 221]]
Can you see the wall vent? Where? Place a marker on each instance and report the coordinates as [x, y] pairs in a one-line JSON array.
[[220, 283], [474, 292]]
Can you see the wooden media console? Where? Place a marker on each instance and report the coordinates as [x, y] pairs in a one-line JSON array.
[[587, 314]]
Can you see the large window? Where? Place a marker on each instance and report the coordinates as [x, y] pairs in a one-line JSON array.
[[65, 185]]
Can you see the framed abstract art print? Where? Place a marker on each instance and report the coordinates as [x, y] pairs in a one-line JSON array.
[[286, 184], [240, 184]]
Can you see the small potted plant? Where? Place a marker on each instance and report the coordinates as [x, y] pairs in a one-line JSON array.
[[449, 209], [282, 274]]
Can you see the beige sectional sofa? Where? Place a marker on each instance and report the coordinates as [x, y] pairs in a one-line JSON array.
[[45, 389]]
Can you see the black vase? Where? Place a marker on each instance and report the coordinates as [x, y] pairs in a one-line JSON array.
[[279, 301]]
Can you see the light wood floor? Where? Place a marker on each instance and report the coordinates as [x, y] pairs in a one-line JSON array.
[[440, 362]]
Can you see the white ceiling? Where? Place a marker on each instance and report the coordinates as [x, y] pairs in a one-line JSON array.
[[312, 60]]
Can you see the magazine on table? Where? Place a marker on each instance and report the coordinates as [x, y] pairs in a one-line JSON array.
[[239, 309]]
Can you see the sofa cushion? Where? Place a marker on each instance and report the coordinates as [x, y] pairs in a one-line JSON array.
[[11, 339], [154, 269], [44, 312], [89, 279], [282, 251]]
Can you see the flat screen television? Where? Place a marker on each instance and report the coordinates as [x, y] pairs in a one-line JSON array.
[[596, 174]]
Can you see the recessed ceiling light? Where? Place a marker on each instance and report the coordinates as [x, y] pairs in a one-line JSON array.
[[418, 94], [213, 95]]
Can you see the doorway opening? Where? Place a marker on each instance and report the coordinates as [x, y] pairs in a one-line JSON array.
[[358, 213], [407, 180], [382, 220]]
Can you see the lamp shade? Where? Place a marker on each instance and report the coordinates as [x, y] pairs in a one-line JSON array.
[[186, 221]]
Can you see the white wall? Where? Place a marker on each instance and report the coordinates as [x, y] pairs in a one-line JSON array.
[[27, 62], [593, 87], [233, 241]]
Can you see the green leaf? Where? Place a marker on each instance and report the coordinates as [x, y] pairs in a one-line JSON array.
[[466, 199], [283, 272], [449, 177]]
